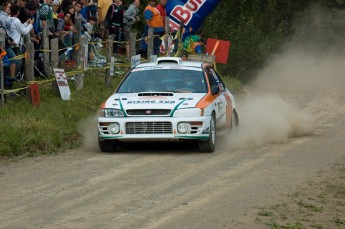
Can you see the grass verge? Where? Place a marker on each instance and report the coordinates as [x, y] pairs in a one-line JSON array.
[[52, 126]]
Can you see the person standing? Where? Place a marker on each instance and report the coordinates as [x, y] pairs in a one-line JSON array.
[[162, 9], [17, 30], [5, 12], [130, 17], [102, 8], [115, 20], [46, 17], [154, 20], [23, 14]]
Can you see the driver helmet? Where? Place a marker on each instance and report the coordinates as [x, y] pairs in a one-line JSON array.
[[190, 79]]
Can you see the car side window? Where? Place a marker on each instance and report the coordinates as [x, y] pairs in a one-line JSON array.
[[218, 80], [211, 78]]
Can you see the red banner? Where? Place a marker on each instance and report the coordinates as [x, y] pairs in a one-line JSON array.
[[219, 48]]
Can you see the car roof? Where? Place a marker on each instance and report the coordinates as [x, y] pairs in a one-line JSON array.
[[171, 61]]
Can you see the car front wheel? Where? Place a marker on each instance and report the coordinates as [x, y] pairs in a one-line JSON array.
[[210, 143]]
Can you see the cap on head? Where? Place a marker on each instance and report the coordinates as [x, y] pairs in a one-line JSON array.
[[56, 3]]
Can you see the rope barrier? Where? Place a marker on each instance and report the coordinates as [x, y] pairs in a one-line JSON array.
[[69, 73]]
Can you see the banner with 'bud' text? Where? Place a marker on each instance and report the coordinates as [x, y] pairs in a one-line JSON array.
[[191, 12]]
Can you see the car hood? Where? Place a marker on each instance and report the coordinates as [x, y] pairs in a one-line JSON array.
[[127, 101]]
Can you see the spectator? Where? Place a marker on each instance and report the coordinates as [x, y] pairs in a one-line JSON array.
[[130, 17], [8, 42], [31, 12], [71, 10], [56, 11], [162, 9], [23, 14], [37, 30], [77, 8], [114, 17], [46, 17], [89, 26], [65, 4], [154, 20], [16, 30], [102, 8], [5, 12], [85, 9], [65, 30]]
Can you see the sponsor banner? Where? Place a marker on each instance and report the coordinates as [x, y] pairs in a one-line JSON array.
[[191, 12]]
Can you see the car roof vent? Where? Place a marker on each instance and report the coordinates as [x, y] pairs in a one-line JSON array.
[[169, 60]]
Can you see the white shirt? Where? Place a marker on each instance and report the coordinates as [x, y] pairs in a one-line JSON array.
[[3, 17], [16, 29]]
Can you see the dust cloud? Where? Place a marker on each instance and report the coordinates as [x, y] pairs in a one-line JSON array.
[[88, 129], [285, 98]]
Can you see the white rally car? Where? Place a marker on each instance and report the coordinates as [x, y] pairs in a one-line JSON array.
[[170, 99]]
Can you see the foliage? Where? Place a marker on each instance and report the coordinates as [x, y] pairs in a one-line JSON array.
[[255, 28], [51, 126]]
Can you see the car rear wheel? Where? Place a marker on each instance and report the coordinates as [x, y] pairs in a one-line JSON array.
[[210, 143], [234, 121], [107, 145]]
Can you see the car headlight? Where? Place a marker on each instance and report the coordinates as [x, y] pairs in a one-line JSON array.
[[110, 112], [183, 127], [114, 128]]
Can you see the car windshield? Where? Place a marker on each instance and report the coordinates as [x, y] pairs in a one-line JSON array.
[[164, 80]]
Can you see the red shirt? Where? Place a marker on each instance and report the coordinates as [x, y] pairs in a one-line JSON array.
[[162, 11]]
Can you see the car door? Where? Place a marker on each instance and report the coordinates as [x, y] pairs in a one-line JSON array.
[[220, 101]]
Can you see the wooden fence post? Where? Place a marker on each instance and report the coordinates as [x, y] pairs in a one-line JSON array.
[[54, 44], [76, 37], [107, 81], [166, 39], [46, 59], [150, 38], [29, 62], [132, 45], [180, 38], [80, 63]]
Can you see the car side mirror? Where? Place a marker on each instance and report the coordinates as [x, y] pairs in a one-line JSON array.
[[214, 89]]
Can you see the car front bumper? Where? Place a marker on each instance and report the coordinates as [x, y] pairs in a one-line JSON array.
[[154, 128]]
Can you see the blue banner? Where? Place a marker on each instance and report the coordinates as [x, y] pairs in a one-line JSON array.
[[191, 12]]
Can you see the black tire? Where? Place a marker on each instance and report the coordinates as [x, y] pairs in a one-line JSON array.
[[210, 144], [107, 145], [235, 122]]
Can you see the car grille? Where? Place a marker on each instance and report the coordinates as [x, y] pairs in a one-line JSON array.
[[148, 112], [148, 128]]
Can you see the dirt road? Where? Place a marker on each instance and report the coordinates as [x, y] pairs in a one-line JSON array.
[[169, 185]]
